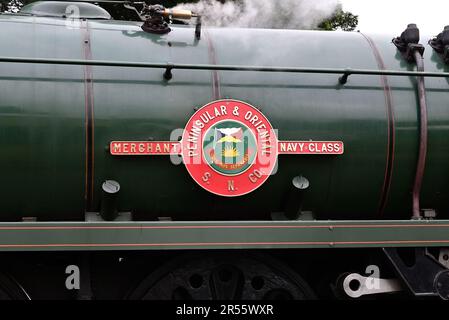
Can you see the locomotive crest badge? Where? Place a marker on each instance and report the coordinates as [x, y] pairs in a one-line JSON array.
[[228, 147]]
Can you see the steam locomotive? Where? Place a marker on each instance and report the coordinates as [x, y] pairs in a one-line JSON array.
[[191, 162]]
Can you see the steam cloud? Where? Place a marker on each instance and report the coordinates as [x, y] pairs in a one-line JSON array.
[[276, 14]]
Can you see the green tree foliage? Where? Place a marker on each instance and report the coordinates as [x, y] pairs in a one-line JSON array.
[[12, 6], [340, 20]]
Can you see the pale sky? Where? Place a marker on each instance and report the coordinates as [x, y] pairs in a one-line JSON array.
[[392, 16]]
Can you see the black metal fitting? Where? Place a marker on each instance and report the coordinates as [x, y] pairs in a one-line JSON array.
[[198, 28], [408, 43], [426, 277], [441, 284], [157, 18], [109, 210], [168, 75], [344, 78], [152, 15], [156, 24], [441, 44]]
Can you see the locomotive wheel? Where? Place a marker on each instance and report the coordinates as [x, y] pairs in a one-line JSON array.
[[223, 277], [11, 290]]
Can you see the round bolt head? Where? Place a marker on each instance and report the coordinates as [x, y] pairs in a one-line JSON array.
[[111, 186], [300, 182]]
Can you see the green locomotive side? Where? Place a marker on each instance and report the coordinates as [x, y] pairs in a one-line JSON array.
[[58, 120]]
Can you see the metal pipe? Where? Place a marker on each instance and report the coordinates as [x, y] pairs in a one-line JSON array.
[[110, 190], [295, 198], [422, 137], [179, 13], [223, 67]]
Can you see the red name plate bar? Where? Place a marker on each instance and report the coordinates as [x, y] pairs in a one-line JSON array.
[[144, 148], [310, 147]]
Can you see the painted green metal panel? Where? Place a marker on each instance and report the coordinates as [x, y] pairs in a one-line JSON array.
[[221, 235], [41, 121]]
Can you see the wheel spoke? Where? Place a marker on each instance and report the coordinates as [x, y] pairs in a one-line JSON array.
[[226, 283]]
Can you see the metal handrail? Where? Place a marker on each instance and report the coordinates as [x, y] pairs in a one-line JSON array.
[[345, 72]]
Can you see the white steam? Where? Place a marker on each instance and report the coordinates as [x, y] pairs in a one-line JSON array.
[[276, 14]]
